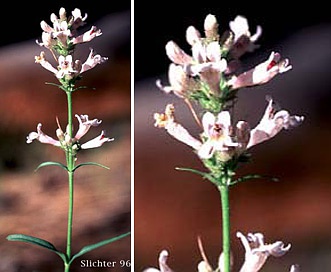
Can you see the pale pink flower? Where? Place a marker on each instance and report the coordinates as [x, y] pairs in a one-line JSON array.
[[209, 64], [59, 27], [77, 20], [41, 59], [257, 252], [85, 124], [41, 137], [181, 84], [211, 27], [69, 68], [47, 40], [60, 30], [64, 138], [217, 131], [272, 123], [243, 41], [176, 54], [87, 36], [97, 141], [206, 60], [261, 73], [92, 61], [64, 29], [167, 120], [192, 35], [163, 266]]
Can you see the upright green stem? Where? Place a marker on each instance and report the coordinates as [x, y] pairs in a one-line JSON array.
[[224, 191], [70, 165]]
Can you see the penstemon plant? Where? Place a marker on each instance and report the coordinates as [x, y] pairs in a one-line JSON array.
[[61, 40], [208, 82]]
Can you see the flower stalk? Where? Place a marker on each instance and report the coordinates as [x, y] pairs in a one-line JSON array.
[[61, 40], [70, 158], [210, 78], [226, 233]]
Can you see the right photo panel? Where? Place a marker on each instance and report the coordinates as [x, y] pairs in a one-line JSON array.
[[231, 139]]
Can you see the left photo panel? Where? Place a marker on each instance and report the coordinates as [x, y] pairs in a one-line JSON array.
[[65, 128]]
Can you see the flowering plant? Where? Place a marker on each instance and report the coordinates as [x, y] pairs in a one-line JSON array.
[[61, 40], [209, 80]]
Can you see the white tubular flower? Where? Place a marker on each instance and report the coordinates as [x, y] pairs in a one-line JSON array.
[[192, 35], [77, 20], [211, 27], [167, 120], [217, 131], [208, 64], [92, 61], [206, 60], [163, 266], [97, 141], [180, 83], [176, 54], [272, 123], [87, 36], [262, 73], [60, 25], [41, 137], [243, 40], [44, 63], [257, 252], [47, 40], [64, 29], [85, 124], [66, 67]]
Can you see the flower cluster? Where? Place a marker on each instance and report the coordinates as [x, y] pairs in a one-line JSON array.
[[210, 76], [61, 40], [256, 254], [220, 138], [65, 141]]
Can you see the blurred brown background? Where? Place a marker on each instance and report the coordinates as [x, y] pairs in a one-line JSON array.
[[35, 203], [172, 208]]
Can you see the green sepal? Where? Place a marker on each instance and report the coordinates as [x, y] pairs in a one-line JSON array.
[[36, 241], [89, 248], [249, 177], [51, 164], [90, 163]]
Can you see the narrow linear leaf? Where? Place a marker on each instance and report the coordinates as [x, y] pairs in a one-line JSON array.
[[97, 245], [36, 241], [249, 177], [90, 163], [203, 174], [51, 164], [53, 84], [82, 87]]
